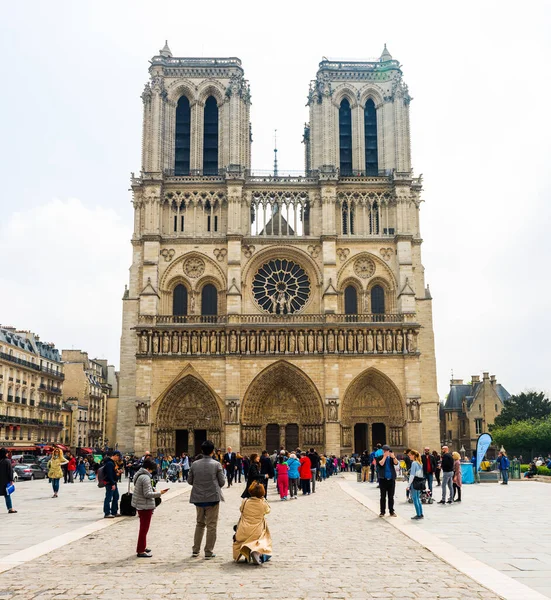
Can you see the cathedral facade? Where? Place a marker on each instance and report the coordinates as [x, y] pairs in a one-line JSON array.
[[276, 310]]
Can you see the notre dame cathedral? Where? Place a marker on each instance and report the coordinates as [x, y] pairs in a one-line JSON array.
[[276, 310]]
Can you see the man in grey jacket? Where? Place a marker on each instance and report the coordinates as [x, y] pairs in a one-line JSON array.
[[207, 478]]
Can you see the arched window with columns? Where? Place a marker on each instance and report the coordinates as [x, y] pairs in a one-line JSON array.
[[209, 300], [179, 300], [370, 127], [345, 138], [377, 300], [210, 137], [350, 300], [182, 137]]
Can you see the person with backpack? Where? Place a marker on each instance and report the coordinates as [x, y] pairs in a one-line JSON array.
[[143, 500], [108, 476], [293, 464]]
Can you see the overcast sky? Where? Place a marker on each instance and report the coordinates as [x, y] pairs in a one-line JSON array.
[[70, 126]]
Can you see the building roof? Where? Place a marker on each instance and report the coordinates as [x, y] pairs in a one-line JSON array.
[[468, 392], [10, 337]]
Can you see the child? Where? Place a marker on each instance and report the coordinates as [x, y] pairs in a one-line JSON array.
[[252, 538]]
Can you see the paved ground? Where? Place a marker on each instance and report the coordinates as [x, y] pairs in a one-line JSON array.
[[326, 545], [505, 527]]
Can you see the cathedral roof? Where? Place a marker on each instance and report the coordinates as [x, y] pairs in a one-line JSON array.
[[385, 55]]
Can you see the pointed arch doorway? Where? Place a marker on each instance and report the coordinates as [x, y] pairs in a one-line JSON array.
[[282, 407], [188, 415]]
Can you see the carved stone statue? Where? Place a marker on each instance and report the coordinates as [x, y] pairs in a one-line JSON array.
[[204, 343], [320, 342], [340, 341], [369, 341], [282, 341], [399, 342], [144, 342], [155, 344], [252, 342], [243, 342], [331, 341], [301, 342], [310, 342], [232, 412], [165, 343], [194, 343], [413, 406], [185, 343], [223, 343], [263, 342], [233, 342], [360, 341], [174, 343], [332, 410], [412, 346], [388, 341], [350, 342], [380, 347], [213, 342], [272, 342], [141, 417], [292, 342]]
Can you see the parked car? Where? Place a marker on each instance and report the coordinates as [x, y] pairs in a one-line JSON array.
[[43, 462], [27, 459], [32, 471]]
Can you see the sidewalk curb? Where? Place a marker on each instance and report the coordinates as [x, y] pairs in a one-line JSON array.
[[23, 556], [497, 582]]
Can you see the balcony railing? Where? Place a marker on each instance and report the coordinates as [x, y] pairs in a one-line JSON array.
[[49, 405], [19, 361], [29, 421], [53, 373], [50, 388], [275, 319]]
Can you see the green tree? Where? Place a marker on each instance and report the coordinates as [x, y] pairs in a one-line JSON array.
[[522, 407], [525, 437]]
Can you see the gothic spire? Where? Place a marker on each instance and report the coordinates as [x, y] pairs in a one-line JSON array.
[[385, 55], [166, 51], [275, 153]]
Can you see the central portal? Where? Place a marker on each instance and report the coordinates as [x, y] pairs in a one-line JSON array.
[[281, 406]]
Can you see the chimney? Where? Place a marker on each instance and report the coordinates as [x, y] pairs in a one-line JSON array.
[[456, 382], [485, 376], [475, 379], [493, 380]]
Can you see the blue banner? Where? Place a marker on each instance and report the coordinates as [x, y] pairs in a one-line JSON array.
[[482, 445]]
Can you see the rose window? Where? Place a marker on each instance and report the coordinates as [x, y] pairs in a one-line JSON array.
[[281, 287]]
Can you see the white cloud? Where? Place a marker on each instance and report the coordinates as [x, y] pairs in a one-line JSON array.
[[63, 269]]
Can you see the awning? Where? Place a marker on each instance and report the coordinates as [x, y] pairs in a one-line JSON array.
[[86, 450], [21, 448], [64, 448]]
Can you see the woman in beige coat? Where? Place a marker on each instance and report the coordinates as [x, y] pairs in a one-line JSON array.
[[55, 472], [252, 538]]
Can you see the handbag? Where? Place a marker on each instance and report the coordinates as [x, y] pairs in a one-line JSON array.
[[10, 488], [419, 483], [157, 502]]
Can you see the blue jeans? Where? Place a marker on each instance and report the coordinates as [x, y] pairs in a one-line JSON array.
[[416, 497], [323, 473], [7, 498], [55, 485], [430, 477], [505, 475], [111, 502]]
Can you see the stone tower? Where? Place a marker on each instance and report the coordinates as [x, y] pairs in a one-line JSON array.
[[268, 311]]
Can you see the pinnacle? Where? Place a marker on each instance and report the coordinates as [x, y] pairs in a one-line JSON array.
[[385, 55], [166, 52]]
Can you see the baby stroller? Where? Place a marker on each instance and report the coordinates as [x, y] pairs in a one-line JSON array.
[[172, 473], [425, 497], [92, 476]]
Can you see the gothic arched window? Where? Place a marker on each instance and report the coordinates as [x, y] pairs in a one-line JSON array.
[[350, 300], [183, 136], [179, 300], [377, 300], [209, 300], [347, 218], [370, 123], [210, 137], [345, 138]]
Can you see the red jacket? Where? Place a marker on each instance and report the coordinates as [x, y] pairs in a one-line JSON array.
[[72, 466], [304, 469]]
